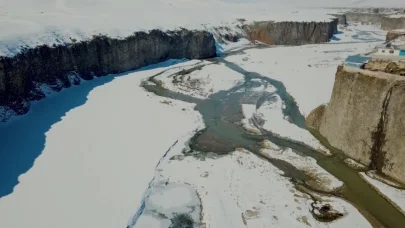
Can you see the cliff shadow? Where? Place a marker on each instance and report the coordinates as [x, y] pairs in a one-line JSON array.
[[334, 38], [219, 49], [22, 139]]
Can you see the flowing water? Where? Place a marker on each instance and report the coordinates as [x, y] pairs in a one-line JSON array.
[[222, 113]]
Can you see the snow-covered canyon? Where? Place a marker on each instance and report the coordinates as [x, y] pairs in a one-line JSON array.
[[110, 153]]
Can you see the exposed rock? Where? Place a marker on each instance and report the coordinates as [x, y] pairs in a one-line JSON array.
[[387, 66], [342, 20], [391, 23], [291, 33], [391, 67], [61, 66], [364, 119], [314, 118], [394, 34], [373, 18], [225, 34]]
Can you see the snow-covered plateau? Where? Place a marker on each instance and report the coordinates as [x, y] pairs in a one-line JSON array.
[[27, 23]]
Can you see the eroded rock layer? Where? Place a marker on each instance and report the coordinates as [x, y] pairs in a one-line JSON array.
[[291, 33], [61, 66], [391, 23], [365, 120], [373, 18]]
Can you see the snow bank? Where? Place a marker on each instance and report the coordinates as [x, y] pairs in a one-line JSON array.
[[273, 111], [241, 190], [209, 79], [397, 16], [354, 164], [396, 196], [306, 71], [99, 159], [323, 179]]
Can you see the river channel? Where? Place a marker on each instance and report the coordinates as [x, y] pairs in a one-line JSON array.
[[222, 114]]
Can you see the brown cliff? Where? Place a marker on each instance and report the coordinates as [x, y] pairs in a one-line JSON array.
[[365, 119], [291, 33]]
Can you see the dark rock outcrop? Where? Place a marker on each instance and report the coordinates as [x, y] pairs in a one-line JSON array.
[[364, 119], [291, 33], [391, 23], [61, 66], [373, 18]]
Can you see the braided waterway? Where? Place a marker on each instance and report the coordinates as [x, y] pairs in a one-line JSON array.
[[222, 114]]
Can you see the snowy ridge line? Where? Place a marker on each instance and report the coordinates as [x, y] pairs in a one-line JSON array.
[[148, 191]]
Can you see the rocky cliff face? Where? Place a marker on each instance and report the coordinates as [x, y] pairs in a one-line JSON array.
[[373, 18], [342, 20], [291, 33], [391, 23], [365, 119], [62, 66]]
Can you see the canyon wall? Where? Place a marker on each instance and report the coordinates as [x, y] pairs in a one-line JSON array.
[[22, 77], [365, 119], [373, 18], [391, 23], [61, 66], [291, 33], [342, 20]]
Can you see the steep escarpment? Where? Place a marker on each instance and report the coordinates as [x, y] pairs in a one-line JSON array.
[[57, 67], [393, 22], [373, 18], [364, 119], [291, 33], [342, 20]]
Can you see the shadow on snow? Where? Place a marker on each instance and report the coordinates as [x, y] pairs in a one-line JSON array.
[[23, 137]]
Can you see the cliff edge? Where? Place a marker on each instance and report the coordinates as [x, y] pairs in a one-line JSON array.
[[365, 119], [393, 22], [60, 66], [291, 33]]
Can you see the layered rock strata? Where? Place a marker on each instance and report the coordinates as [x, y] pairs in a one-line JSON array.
[[291, 33], [61, 66], [365, 120]]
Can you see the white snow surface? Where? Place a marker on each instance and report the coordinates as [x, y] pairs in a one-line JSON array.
[[166, 201], [98, 160], [241, 190], [308, 72], [358, 33], [397, 16], [210, 79], [324, 180], [30, 23], [275, 123], [354, 164], [27, 23], [396, 196]]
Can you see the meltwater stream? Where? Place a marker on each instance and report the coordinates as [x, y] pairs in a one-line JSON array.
[[222, 113]]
